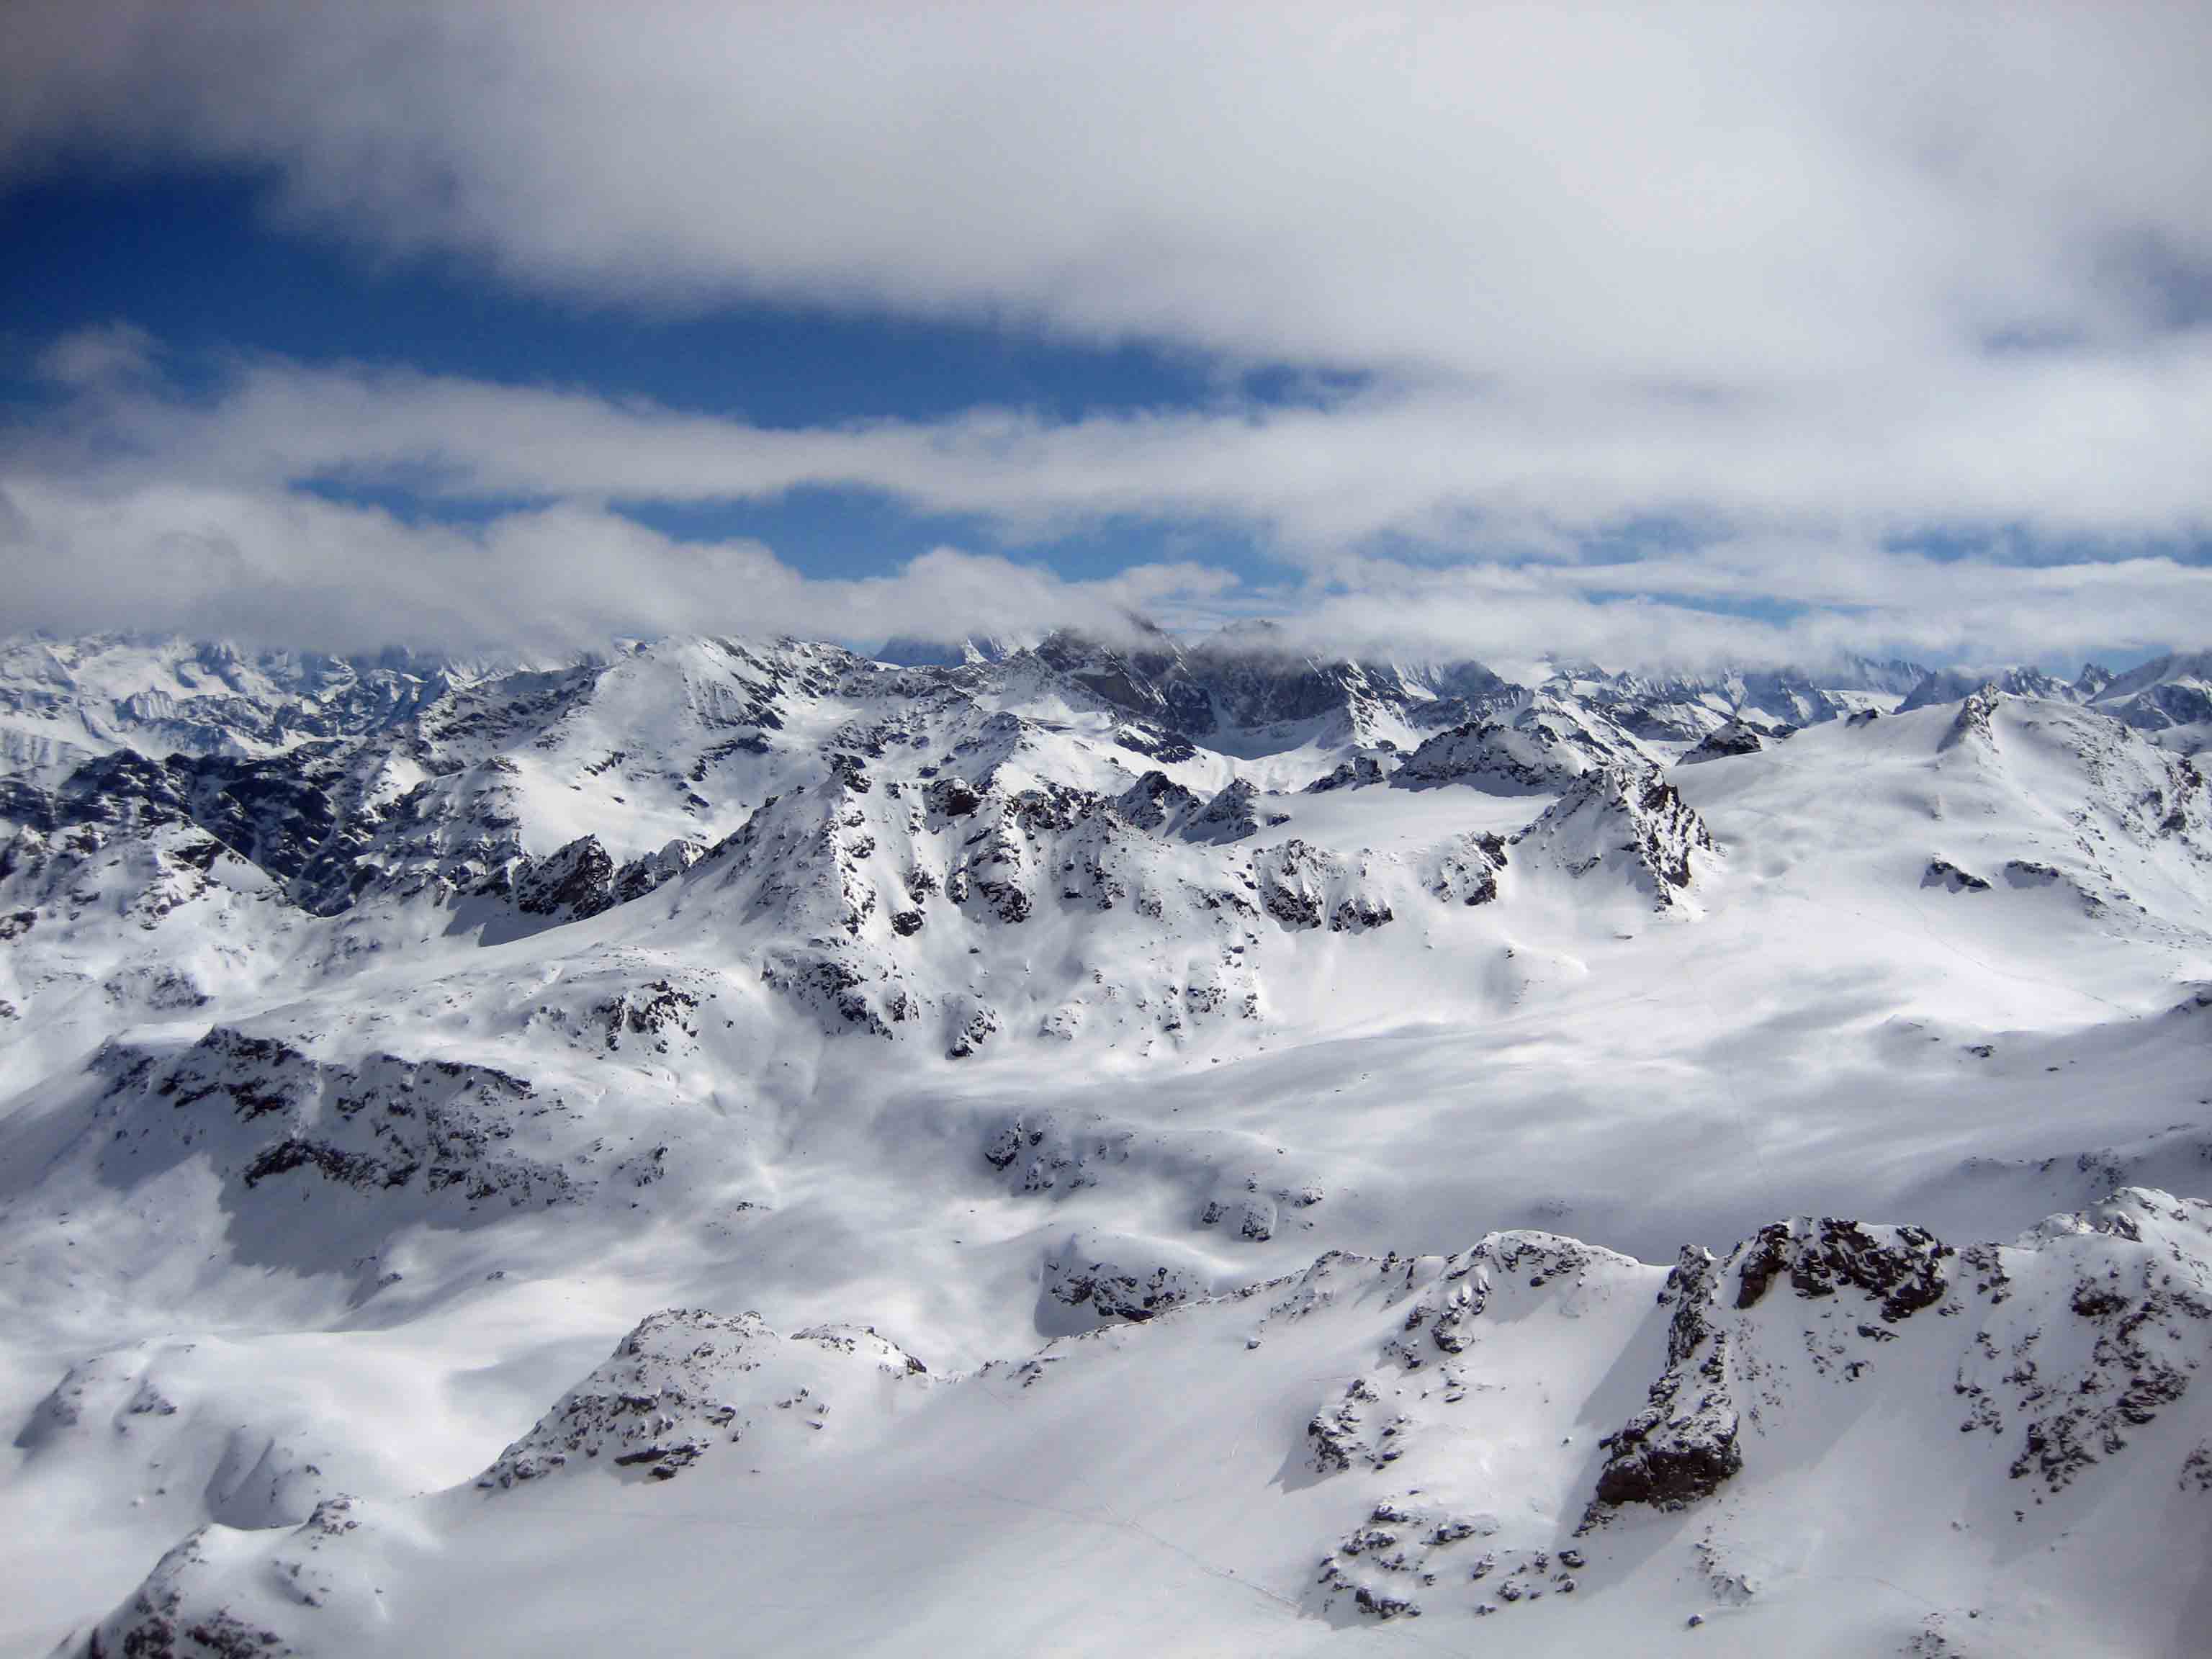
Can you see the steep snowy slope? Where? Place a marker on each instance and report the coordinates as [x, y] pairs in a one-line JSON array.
[[363, 1090]]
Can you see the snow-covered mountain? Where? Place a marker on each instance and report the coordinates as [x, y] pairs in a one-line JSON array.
[[2168, 698], [1098, 1142]]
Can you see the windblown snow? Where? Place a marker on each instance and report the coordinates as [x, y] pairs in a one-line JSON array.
[[1099, 1145]]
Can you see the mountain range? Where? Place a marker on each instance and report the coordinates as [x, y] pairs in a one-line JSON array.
[[1105, 1139]]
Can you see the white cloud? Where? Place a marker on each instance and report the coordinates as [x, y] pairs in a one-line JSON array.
[[282, 569], [1607, 193], [112, 354], [1825, 602], [2059, 447], [1808, 278], [270, 566]]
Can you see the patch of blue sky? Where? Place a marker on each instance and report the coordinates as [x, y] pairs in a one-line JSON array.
[[194, 259], [2021, 545], [1752, 607], [841, 532]]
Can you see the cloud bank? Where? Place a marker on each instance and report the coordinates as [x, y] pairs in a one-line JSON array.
[[131, 501], [1656, 193], [1810, 287]]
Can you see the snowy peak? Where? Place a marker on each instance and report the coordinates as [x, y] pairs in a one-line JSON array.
[[2169, 698], [168, 695], [912, 650], [1950, 686], [1248, 690], [1628, 824], [1537, 745]]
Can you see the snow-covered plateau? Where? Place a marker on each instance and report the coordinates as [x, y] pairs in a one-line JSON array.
[[1099, 1145]]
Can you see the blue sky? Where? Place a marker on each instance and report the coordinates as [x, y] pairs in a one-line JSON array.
[[1642, 336], [192, 259]]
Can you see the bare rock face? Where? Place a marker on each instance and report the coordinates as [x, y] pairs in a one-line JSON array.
[[684, 1385], [202, 1601], [1903, 1269], [845, 991], [2093, 1327], [2061, 1347], [652, 1407], [2068, 1358], [1950, 686], [1683, 1444], [1537, 744], [1687, 1441], [649, 869], [1055, 1151], [973, 1031], [1154, 801]]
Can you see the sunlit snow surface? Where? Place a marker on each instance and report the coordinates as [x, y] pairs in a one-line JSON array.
[[1099, 1216]]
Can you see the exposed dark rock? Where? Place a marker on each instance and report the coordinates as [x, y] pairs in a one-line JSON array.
[[1683, 1445], [1737, 738], [1941, 873], [1903, 1268], [1355, 774]]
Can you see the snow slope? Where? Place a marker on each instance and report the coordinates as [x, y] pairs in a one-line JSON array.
[[1072, 1142]]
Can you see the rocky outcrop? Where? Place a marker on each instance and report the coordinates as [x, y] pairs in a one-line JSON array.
[[439, 1136], [1357, 773], [1111, 1291], [580, 880], [576, 881], [1303, 887], [1154, 802], [1232, 815], [1724, 743], [1941, 873], [1049, 1150], [686, 1382], [651, 1408], [1466, 869], [1629, 822], [1946, 685], [1972, 724]]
